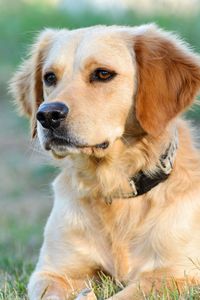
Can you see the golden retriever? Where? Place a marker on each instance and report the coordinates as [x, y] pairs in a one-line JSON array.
[[105, 103]]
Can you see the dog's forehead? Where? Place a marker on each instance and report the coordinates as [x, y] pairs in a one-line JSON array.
[[98, 44]]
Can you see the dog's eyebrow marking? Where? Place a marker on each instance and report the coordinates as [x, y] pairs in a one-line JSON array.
[[91, 64], [58, 69]]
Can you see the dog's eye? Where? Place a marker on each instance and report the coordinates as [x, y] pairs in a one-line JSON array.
[[102, 75], [50, 79]]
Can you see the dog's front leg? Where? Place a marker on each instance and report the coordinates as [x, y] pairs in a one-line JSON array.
[[69, 256], [52, 286], [62, 271], [154, 283]]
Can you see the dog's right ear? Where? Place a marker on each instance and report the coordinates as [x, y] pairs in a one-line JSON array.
[[26, 84]]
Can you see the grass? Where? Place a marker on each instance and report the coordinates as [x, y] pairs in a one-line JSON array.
[[16, 258], [14, 286], [25, 175]]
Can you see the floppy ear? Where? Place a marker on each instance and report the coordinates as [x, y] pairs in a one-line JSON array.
[[168, 78], [26, 84]]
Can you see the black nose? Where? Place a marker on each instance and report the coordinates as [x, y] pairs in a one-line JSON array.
[[50, 115]]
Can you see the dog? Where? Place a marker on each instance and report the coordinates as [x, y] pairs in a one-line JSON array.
[[105, 103]]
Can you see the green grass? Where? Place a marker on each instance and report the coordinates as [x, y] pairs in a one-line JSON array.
[[25, 176], [17, 257], [14, 284]]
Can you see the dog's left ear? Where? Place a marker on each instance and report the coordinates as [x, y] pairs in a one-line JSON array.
[[26, 84], [168, 78]]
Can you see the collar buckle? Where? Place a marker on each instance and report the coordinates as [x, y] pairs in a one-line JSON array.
[[132, 184], [166, 161]]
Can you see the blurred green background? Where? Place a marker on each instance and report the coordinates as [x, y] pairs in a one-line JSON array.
[[25, 174]]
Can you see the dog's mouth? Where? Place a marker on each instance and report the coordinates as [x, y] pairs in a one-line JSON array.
[[61, 147]]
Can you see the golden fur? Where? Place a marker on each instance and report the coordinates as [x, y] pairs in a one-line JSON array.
[[140, 240]]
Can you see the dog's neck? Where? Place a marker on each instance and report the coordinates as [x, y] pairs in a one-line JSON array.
[[109, 177], [144, 181]]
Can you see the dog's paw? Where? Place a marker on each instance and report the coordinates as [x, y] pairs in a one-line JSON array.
[[86, 294]]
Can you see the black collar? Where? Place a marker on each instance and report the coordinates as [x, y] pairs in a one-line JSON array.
[[142, 182]]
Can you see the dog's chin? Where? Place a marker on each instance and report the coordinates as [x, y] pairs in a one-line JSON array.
[[62, 153]]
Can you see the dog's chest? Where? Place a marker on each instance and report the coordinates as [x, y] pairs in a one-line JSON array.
[[141, 238], [129, 236], [125, 238]]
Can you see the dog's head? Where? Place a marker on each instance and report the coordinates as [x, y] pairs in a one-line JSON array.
[[80, 87]]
